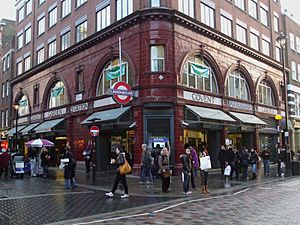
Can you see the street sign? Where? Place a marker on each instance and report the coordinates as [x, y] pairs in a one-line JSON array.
[[122, 92], [94, 131]]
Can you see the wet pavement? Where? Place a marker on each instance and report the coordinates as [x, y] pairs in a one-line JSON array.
[[45, 201]]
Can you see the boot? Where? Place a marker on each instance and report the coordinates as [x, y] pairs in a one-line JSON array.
[[206, 189]]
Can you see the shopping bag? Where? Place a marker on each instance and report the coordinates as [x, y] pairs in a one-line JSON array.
[[227, 170], [167, 173], [125, 168], [205, 163]]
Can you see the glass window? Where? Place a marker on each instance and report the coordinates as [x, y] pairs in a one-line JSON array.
[[81, 31], [264, 16], [265, 47], [21, 14], [58, 95], [186, 7], [103, 18], [226, 26], [292, 41], [4, 64], [294, 71], [253, 8], [53, 17], [254, 41], [28, 7], [278, 53], [3, 90], [8, 61], [20, 41], [111, 74], [66, 40], [19, 68], [23, 106], [41, 1], [276, 24], [40, 55], [198, 74], [41, 26], [207, 15], [27, 35], [157, 58], [6, 118], [80, 2], [65, 8], [52, 49], [240, 4], [155, 3], [297, 105], [79, 80], [298, 44], [124, 8], [241, 34], [7, 88], [36, 95], [298, 70], [3, 118], [265, 94], [237, 86], [27, 64]]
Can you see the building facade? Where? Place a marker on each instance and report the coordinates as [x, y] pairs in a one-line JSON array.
[[203, 72]]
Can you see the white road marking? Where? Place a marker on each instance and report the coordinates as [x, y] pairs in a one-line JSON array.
[[239, 192], [169, 207]]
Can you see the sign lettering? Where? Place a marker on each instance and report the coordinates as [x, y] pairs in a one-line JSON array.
[[78, 108], [54, 113], [240, 105], [202, 98]]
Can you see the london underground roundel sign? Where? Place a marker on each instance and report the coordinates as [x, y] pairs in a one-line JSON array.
[[122, 92], [94, 131]]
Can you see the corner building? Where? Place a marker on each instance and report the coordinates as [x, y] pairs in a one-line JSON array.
[[203, 72]]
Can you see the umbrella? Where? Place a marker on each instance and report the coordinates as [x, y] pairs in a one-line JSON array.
[[39, 143]]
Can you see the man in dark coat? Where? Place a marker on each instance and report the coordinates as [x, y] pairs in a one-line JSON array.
[[4, 163], [221, 158], [69, 172]]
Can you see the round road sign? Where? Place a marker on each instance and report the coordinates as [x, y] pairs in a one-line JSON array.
[[94, 131], [122, 92]]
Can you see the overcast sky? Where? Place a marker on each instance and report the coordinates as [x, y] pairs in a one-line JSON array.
[[7, 8]]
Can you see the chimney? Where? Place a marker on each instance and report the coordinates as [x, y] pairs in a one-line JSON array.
[[2, 25]]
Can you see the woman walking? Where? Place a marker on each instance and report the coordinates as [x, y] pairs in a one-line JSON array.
[[204, 172], [164, 169], [119, 177], [253, 161], [69, 172]]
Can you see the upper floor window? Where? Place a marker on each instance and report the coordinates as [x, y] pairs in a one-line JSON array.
[[253, 8], [297, 104], [112, 74], [21, 14], [20, 41], [3, 90], [157, 58], [240, 4], [198, 74], [276, 23], [237, 86], [23, 106], [7, 88], [27, 35], [207, 15], [80, 2], [226, 26], [27, 63], [65, 8], [298, 70], [298, 44], [292, 41], [278, 53], [19, 67], [265, 94], [36, 94], [41, 26], [81, 31], [265, 47], [3, 118], [254, 41], [53, 17], [124, 8], [264, 16], [4, 64], [66, 40], [41, 1], [52, 49], [28, 7], [155, 3], [294, 70], [103, 18], [58, 95], [186, 7], [79, 80], [40, 55], [241, 34]]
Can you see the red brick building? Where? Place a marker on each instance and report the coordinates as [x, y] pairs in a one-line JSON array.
[[203, 72]]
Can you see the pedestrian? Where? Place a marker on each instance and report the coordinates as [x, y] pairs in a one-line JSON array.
[[69, 168], [4, 163], [164, 169], [227, 171], [283, 160], [45, 159], [195, 166], [147, 164], [87, 158], [237, 160], [253, 162], [221, 158], [204, 172], [119, 161], [265, 155], [186, 170], [244, 156]]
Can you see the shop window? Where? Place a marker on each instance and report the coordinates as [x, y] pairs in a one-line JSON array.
[[265, 94], [58, 95], [198, 74], [112, 74], [157, 58], [23, 106], [237, 86]]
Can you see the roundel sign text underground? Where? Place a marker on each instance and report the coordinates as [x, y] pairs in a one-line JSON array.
[[122, 92], [94, 131]]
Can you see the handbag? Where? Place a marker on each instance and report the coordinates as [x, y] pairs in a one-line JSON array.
[[125, 168], [205, 163], [167, 173]]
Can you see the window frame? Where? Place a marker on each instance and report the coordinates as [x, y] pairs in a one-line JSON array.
[[242, 86], [157, 59], [79, 36]]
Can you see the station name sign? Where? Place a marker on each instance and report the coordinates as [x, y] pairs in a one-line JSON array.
[[197, 97]]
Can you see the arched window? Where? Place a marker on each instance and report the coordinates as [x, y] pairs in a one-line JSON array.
[[111, 74], [265, 93], [23, 106], [237, 86], [58, 95], [198, 74]]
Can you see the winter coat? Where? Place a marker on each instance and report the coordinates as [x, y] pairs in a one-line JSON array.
[[163, 163], [221, 156], [186, 163], [146, 160], [253, 157], [4, 160], [69, 171], [45, 159], [265, 154], [195, 158]]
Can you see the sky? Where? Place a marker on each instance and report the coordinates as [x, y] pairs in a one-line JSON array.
[[293, 7]]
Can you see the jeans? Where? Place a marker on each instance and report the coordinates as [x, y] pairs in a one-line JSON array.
[[204, 177], [186, 181], [266, 166], [254, 168], [245, 170], [146, 172], [70, 183]]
